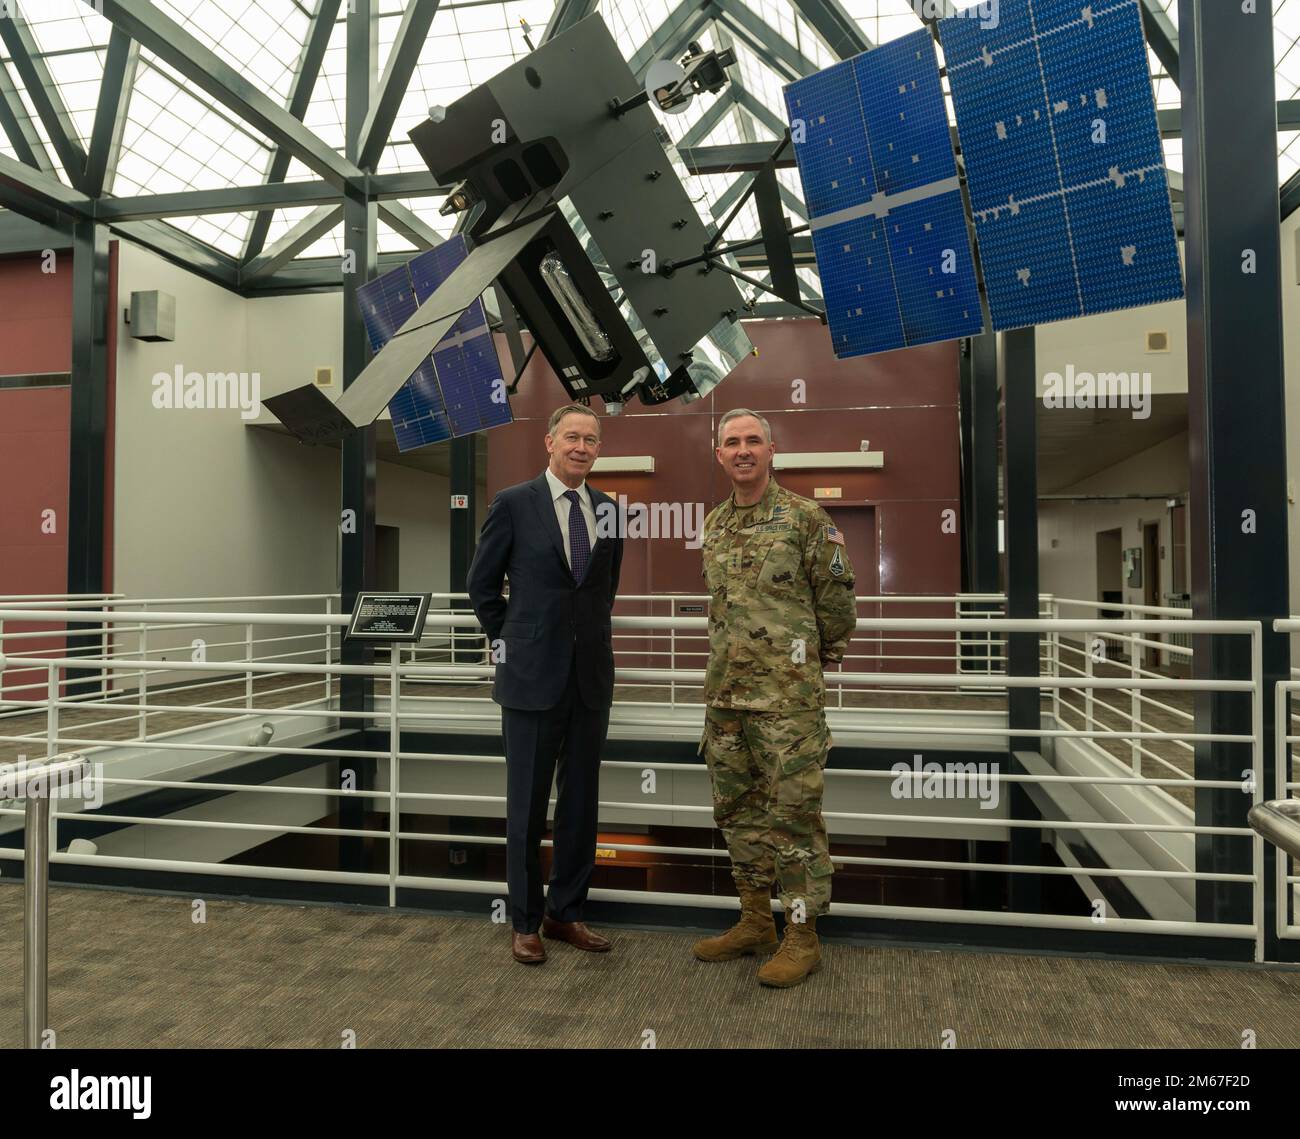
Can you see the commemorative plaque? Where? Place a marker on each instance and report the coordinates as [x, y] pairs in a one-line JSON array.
[[388, 617]]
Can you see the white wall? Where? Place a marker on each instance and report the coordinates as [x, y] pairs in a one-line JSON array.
[[1067, 531], [1117, 342], [205, 505], [1291, 362]]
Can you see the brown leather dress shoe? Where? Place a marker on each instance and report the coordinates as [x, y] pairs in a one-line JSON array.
[[527, 948], [576, 934]]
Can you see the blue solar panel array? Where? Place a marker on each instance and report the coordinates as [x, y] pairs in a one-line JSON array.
[[452, 392], [880, 181], [1065, 169]]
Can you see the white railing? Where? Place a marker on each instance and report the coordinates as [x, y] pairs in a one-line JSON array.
[[258, 705], [1286, 734]]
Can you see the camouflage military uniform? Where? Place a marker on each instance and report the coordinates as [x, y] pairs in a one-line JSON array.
[[782, 606]]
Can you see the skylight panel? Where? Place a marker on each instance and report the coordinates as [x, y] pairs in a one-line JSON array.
[[65, 25], [226, 232], [634, 22], [173, 140], [465, 47], [262, 38]]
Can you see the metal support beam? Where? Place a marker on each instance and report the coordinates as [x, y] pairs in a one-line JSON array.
[[670, 39], [1016, 367], [566, 14], [110, 113], [410, 225], [178, 247], [979, 463], [725, 41], [88, 430], [227, 85], [359, 468], [765, 42], [722, 105], [304, 83], [43, 92], [1171, 118], [730, 158], [1162, 37], [761, 111], [228, 199], [36, 194], [1237, 431], [464, 480], [19, 128], [840, 30], [297, 238], [1289, 196], [402, 58]]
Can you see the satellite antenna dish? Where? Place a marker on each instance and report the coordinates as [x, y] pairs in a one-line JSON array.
[[662, 80]]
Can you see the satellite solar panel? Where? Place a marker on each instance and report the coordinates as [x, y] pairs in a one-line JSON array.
[[387, 303], [451, 393], [419, 417], [465, 359], [889, 232], [1063, 160]]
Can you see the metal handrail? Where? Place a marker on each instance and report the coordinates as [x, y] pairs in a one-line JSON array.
[[1278, 820], [38, 778]]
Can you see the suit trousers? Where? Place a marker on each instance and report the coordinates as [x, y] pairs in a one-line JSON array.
[[569, 735]]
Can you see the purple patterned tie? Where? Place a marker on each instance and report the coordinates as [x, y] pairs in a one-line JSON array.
[[579, 539]]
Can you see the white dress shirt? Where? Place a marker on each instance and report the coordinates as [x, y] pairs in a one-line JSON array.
[[563, 506]]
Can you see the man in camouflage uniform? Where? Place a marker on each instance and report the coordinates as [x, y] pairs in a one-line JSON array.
[[782, 607]]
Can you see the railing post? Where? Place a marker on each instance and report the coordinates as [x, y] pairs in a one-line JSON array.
[[142, 688], [1135, 707], [36, 875], [672, 657], [248, 659], [1087, 692], [329, 650], [51, 710], [394, 744], [1054, 607]]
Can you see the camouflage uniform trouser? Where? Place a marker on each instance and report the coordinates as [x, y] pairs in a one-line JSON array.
[[768, 774]]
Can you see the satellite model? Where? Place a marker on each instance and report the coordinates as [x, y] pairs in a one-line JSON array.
[[1069, 203], [568, 201]]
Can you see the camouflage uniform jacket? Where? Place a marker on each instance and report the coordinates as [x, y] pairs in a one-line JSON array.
[[782, 602]]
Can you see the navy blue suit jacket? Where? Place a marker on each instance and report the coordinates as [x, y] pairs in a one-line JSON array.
[[550, 621]]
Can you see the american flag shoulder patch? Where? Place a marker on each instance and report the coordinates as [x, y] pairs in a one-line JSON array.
[[833, 535]]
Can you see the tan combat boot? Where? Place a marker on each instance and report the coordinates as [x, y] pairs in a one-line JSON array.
[[754, 933], [800, 955]]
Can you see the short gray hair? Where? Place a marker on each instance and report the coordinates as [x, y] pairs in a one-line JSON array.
[[741, 413], [570, 409]]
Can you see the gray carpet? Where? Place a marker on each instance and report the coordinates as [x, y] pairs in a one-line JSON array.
[[129, 970]]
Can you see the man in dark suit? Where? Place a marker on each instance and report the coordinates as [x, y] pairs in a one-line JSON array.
[[555, 540]]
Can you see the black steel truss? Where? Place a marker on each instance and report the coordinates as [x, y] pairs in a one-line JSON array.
[[31, 187]]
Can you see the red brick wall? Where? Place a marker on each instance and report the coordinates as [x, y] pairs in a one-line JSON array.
[[904, 403], [35, 337]]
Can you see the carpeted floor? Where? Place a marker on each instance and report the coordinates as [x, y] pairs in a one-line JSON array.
[[130, 970]]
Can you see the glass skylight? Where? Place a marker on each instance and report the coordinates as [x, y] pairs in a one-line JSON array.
[[175, 140], [178, 139], [262, 38], [467, 44]]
